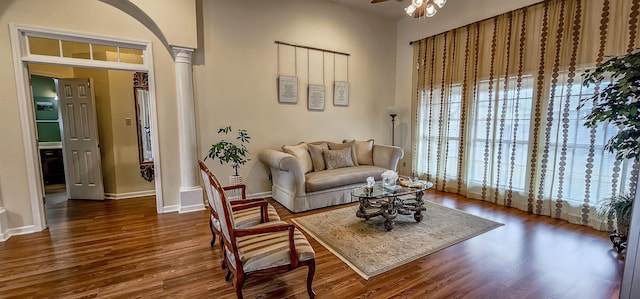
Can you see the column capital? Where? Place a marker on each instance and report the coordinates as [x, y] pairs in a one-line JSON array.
[[182, 54]]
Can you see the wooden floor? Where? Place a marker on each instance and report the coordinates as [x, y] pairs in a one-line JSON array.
[[124, 249]]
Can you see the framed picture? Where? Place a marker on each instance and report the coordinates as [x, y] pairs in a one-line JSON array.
[[287, 89], [341, 93], [316, 97], [44, 106]]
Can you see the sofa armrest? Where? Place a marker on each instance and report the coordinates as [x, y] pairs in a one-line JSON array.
[[286, 170], [387, 156]]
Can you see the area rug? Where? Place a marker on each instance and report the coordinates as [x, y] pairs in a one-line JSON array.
[[369, 249]]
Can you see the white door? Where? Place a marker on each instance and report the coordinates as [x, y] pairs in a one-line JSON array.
[[83, 171]]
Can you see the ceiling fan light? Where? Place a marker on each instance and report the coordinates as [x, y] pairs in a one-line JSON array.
[[410, 9], [417, 3], [440, 3], [430, 10]]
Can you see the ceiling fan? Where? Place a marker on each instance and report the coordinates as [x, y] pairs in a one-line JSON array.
[[419, 8]]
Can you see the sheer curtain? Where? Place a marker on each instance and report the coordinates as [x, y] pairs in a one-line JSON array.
[[496, 114]]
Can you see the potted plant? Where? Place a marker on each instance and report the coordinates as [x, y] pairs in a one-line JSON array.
[[620, 208], [230, 152], [618, 103]]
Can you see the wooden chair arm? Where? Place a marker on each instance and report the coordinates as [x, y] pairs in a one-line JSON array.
[[243, 201], [240, 186], [293, 253], [264, 209], [241, 232]]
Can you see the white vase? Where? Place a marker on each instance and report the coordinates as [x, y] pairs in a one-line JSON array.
[[235, 179], [235, 194]]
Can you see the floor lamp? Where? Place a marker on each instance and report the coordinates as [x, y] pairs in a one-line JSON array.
[[393, 112]]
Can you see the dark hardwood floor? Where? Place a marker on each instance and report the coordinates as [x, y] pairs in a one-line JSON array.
[[124, 249]]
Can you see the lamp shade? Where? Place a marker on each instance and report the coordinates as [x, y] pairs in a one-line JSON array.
[[440, 3], [430, 10], [410, 9], [393, 110]]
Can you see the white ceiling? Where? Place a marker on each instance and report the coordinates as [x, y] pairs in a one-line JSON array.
[[393, 9]]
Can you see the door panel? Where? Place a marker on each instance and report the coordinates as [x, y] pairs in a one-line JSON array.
[[80, 139]]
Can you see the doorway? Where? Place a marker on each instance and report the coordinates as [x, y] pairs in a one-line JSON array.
[[116, 112], [46, 106], [119, 55]]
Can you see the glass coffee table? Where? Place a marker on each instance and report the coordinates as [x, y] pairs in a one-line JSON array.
[[389, 202]]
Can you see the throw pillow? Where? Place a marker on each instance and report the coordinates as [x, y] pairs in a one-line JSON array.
[[364, 151], [316, 155], [351, 145], [338, 158], [301, 152]]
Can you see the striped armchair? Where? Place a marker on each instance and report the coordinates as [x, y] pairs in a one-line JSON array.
[[267, 248], [246, 212]]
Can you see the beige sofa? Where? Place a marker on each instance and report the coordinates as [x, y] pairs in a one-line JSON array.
[[318, 174]]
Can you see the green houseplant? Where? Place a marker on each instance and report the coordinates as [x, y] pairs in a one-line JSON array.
[[618, 206], [228, 152], [618, 103]]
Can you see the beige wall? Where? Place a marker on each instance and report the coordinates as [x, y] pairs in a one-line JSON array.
[[52, 71], [176, 19], [88, 17], [237, 85], [125, 135]]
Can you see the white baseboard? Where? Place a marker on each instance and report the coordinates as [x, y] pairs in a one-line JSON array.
[[191, 208], [16, 231], [169, 209], [130, 194], [200, 207]]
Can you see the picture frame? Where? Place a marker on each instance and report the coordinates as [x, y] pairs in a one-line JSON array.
[[316, 96], [341, 93], [44, 106], [287, 89]]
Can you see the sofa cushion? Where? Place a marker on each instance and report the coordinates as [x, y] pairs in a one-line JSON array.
[[321, 180], [350, 144], [364, 151], [316, 155], [301, 152], [338, 158]]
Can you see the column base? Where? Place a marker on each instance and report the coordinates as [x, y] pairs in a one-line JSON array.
[[191, 200], [4, 225]]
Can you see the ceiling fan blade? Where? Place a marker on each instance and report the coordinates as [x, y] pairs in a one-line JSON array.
[[377, 1]]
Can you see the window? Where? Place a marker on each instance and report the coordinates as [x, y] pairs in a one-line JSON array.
[[440, 117], [84, 50], [570, 142], [501, 131]]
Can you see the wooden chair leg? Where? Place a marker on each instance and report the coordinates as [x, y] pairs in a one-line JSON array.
[[213, 234], [226, 278], [223, 253], [238, 285], [310, 274]]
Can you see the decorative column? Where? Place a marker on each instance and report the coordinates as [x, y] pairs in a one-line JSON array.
[[190, 191], [4, 225]]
